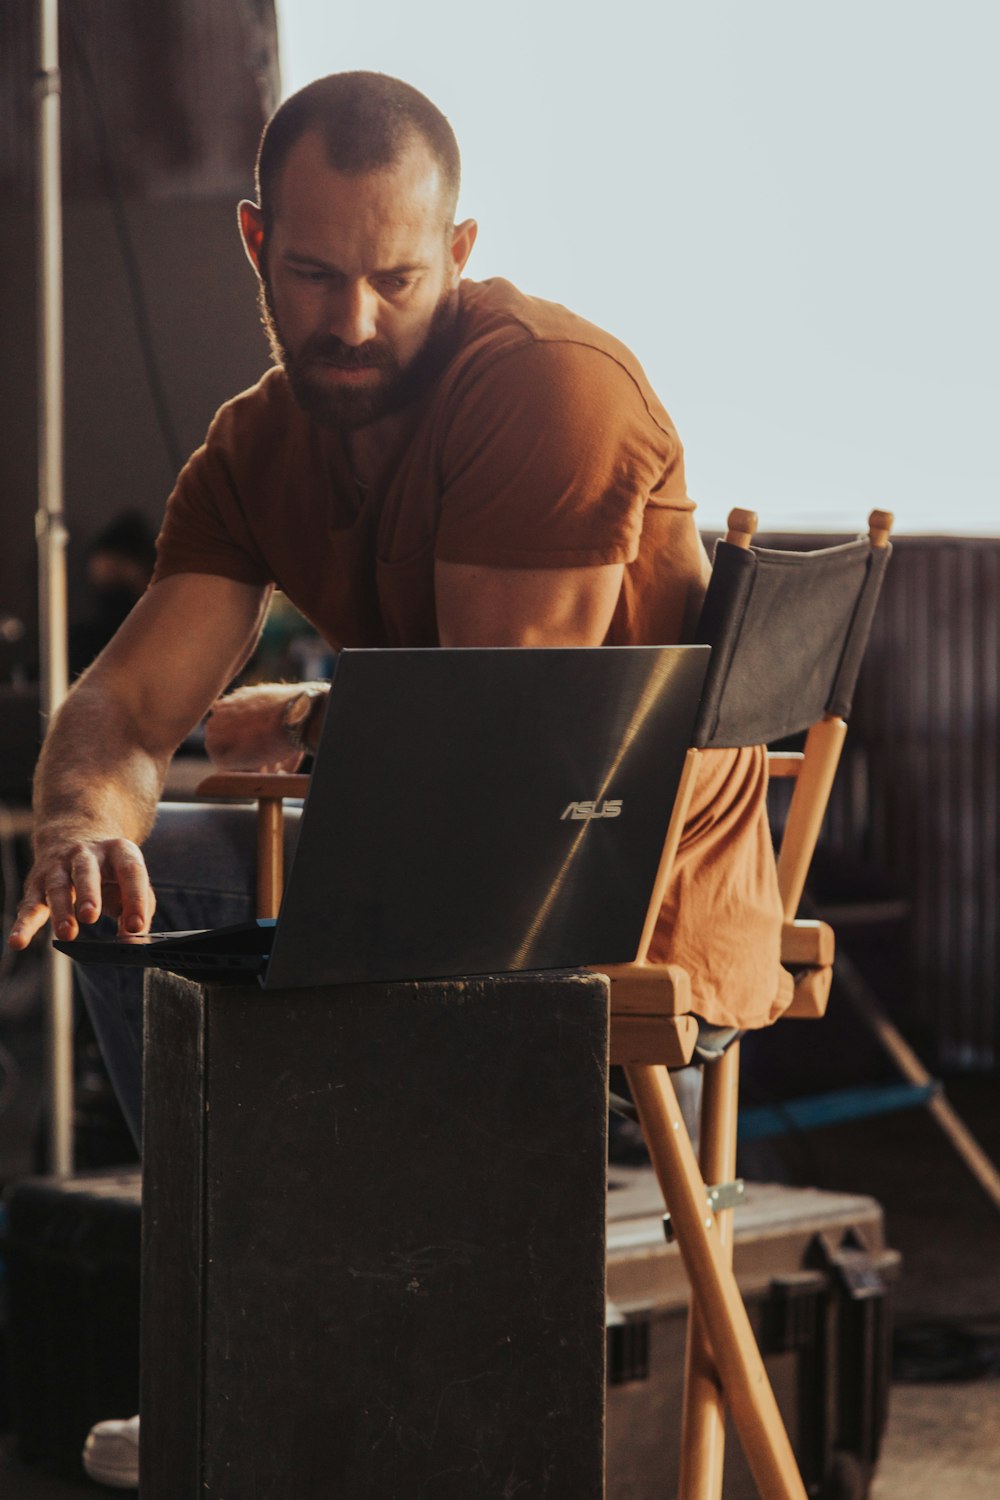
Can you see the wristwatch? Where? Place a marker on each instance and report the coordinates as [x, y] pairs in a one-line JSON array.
[[297, 718]]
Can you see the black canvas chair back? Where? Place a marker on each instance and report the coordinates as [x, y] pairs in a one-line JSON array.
[[788, 631]]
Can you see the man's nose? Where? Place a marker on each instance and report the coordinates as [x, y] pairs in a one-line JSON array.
[[355, 319]]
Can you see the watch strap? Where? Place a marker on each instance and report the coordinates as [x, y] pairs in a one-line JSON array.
[[297, 718]]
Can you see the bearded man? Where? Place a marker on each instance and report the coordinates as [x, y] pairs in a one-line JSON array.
[[432, 461]]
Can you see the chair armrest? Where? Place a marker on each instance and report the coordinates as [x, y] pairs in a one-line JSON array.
[[784, 762], [647, 989], [669, 1040], [649, 1013], [812, 993], [807, 948], [805, 943], [250, 785]]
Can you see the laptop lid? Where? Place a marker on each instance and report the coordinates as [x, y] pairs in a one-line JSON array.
[[485, 810]]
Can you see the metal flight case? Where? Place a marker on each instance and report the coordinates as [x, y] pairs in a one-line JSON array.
[[816, 1276]]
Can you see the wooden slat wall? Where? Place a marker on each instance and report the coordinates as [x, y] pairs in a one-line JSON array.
[[918, 793]]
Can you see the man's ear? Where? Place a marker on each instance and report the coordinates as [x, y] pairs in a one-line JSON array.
[[252, 233], [463, 237]]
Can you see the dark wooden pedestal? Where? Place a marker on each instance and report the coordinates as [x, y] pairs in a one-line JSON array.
[[373, 1241]]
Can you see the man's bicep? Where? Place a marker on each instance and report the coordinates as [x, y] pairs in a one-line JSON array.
[[179, 648], [485, 606]]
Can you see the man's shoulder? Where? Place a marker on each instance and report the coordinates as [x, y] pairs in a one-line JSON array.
[[497, 312], [535, 341]]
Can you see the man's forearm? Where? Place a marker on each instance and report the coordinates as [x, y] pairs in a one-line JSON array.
[[95, 775]]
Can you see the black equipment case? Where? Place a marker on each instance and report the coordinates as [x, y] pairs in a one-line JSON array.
[[816, 1276], [71, 1249]]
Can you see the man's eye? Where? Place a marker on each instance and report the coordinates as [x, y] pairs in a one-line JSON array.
[[393, 283], [301, 274]]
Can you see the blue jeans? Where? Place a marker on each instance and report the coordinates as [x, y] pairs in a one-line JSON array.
[[201, 859]]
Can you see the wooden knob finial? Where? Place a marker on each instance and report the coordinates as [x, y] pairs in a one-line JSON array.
[[880, 524], [742, 525]]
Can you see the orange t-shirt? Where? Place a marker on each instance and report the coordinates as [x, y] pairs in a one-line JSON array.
[[539, 444]]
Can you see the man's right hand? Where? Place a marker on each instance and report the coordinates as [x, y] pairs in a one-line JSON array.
[[74, 880]]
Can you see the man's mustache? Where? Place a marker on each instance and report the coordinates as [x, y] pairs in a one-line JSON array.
[[333, 351]]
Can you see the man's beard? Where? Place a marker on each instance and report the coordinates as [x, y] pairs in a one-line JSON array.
[[348, 408]]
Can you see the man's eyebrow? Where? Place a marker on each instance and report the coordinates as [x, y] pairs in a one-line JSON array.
[[300, 258], [406, 269]]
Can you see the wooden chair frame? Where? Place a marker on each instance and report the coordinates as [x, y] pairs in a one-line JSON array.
[[652, 1031], [270, 790]]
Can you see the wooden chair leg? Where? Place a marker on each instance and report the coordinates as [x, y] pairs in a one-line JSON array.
[[741, 1369], [270, 855], [269, 789], [703, 1420]]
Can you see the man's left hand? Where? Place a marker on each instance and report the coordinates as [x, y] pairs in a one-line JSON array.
[[244, 730]]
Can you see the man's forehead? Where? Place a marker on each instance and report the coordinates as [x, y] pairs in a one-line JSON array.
[[409, 188]]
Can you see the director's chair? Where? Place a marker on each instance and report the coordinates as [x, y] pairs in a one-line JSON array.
[[787, 631]]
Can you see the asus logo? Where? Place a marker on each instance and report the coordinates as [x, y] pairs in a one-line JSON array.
[[582, 810]]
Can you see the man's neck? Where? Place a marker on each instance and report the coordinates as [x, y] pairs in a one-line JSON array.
[[369, 448]]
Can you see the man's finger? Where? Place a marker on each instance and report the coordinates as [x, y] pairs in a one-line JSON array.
[[60, 894], [32, 915], [86, 873], [129, 871]]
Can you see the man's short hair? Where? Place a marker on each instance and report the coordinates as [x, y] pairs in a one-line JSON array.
[[367, 120]]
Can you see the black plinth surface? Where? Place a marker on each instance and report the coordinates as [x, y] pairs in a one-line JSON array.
[[373, 1243]]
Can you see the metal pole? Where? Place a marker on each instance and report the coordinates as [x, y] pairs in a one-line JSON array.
[[50, 530]]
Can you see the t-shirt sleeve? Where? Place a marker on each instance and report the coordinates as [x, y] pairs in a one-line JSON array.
[[205, 529], [549, 460]]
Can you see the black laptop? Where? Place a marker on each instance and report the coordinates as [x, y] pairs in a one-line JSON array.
[[470, 811]]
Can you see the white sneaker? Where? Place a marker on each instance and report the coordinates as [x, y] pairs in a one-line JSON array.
[[111, 1454]]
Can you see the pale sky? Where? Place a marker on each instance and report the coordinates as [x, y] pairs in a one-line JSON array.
[[788, 210]]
